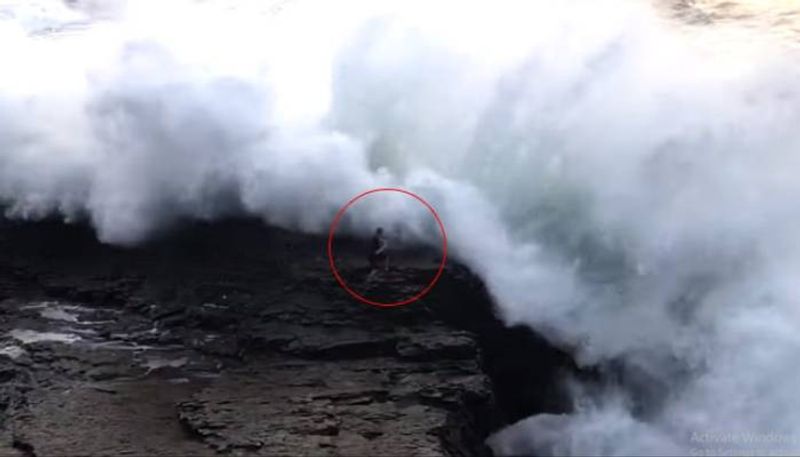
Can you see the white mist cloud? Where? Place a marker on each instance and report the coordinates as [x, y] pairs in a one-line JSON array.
[[624, 187]]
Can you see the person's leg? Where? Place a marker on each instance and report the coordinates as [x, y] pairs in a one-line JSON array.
[[377, 263]]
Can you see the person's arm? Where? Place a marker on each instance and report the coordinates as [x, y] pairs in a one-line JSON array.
[[382, 247]]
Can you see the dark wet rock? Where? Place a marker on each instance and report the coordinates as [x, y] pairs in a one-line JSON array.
[[105, 372], [232, 337], [26, 449], [219, 345], [437, 346], [342, 408], [15, 381], [211, 316]]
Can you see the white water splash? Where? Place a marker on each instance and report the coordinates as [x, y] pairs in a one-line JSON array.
[[624, 186]]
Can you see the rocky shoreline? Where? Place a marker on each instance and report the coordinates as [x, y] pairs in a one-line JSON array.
[[234, 338]]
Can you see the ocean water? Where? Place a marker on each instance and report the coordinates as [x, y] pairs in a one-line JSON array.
[[622, 174]]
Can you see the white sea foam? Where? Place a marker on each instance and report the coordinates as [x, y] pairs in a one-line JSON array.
[[624, 185]]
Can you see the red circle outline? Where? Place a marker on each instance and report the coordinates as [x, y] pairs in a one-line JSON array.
[[356, 295]]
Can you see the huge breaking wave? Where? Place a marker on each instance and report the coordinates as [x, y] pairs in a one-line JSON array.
[[624, 186]]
